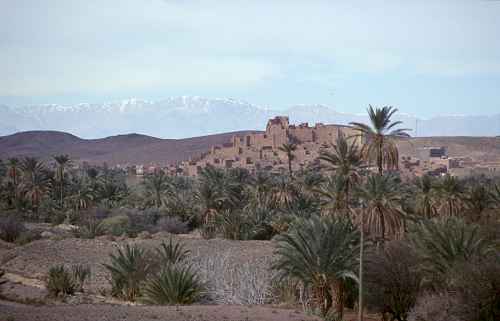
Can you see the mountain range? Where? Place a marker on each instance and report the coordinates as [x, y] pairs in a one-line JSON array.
[[188, 116]]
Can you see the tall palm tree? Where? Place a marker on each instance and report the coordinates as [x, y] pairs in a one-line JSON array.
[[380, 138], [425, 198], [478, 199], [346, 161], [156, 185], [62, 161], [321, 254], [381, 197], [289, 149], [35, 180], [283, 191], [82, 194], [332, 195], [451, 194], [13, 174], [211, 193]]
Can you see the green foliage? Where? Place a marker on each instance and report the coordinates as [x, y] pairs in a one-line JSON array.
[[60, 282], [27, 237], [381, 196], [91, 229], [321, 254], [116, 225], [174, 285], [441, 244], [232, 225], [129, 268], [172, 253], [380, 138], [80, 274]]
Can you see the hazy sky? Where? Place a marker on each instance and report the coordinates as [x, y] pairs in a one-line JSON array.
[[425, 57]]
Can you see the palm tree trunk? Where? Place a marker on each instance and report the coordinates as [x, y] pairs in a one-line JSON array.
[[338, 292], [382, 227], [62, 198], [290, 166], [361, 257], [380, 159]]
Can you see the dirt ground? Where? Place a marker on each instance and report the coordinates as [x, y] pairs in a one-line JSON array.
[[96, 312], [33, 260]]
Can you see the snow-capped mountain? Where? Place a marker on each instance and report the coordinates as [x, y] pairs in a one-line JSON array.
[[187, 116]]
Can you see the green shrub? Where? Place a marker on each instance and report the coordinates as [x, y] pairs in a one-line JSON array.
[[80, 274], [116, 225], [27, 237], [129, 268], [10, 228], [233, 225], [174, 285], [60, 282], [171, 253], [90, 230], [441, 244]]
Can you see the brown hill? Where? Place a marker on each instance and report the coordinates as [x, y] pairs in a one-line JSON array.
[[142, 149], [480, 148], [121, 149]]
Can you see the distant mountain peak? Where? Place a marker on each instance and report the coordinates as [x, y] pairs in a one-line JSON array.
[[188, 116]]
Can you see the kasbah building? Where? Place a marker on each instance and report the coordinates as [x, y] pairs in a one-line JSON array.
[[261, 150]]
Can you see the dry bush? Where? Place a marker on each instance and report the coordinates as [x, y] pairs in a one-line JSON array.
[[231, 282], [434, 307], [172, 224], [10, 228]]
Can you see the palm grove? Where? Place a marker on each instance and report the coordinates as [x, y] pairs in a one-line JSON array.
[[348, 232]]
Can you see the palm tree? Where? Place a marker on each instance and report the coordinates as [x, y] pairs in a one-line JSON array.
[[35, 180], [156, 185], [63, 161], [425, 199], [332, 195], [321, 254], [13, 173], [129, 270], [381, 197], [346, 161], [289, 149], [479, 198], [441, 244], [283, 191], [82, 194], [380, 138], [451, 193]]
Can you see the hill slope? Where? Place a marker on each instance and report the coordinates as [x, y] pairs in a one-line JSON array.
[[121, 149], [141, 149]]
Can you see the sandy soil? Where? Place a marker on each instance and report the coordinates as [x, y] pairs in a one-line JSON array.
[[34, 260], [148, 313]]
